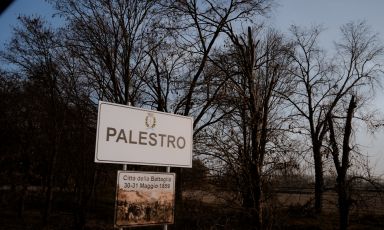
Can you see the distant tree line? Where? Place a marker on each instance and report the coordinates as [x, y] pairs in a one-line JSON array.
[[263, 103]]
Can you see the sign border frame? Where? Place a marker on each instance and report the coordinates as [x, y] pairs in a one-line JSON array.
[[97, 160]]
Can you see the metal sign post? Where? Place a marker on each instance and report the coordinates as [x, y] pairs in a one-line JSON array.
[[124, 169], [165, 226]]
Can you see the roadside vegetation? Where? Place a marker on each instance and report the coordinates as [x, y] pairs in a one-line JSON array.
[[275, 115]]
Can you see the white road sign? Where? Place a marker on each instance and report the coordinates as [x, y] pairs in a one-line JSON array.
[[129, 135]]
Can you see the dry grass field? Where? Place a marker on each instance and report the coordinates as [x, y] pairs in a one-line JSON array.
[[293, 209], [206, 210], [366, 202]]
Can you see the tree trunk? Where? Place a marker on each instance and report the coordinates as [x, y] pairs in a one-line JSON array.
[[343, 202], [342, 167], [50, 184], [252, 198], [258, 202], [319, 180]]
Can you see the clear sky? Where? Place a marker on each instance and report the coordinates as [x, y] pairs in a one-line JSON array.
[[329, 13]]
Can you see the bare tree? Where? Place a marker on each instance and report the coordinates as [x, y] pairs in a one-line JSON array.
[[321, 84], [56, 113], [200, 24], [359, 69], [313, 83], [243, 141], [197, 28], [107, 39], [32, 52]]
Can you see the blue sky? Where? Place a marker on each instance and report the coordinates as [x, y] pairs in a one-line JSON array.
[[21, 7], [329, 13]]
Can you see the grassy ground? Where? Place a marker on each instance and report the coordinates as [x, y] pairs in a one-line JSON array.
[[200, 210]]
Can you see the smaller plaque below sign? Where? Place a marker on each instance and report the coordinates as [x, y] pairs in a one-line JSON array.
[[144, 198]]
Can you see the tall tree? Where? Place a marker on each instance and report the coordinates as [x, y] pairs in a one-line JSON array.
[[198, 27], [32, 51], [359, 53], [243, 140], [322, 85], [312, 74], [54, 110]]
